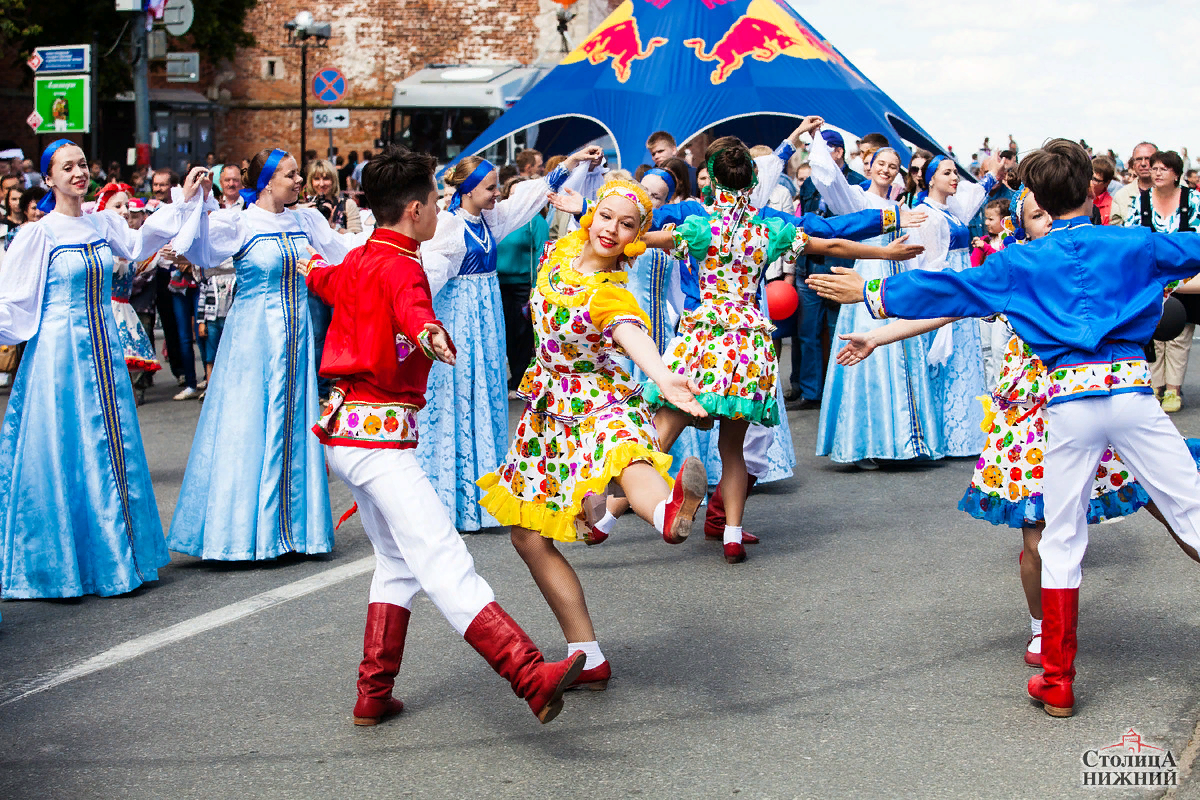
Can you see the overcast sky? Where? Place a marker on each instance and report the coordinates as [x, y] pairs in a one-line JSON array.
[[1113, 72]]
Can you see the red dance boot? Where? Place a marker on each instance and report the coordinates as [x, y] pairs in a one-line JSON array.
[[596, 679], [383, 647], [515, 657], [1052, 688], [714, 518], [685, 498]]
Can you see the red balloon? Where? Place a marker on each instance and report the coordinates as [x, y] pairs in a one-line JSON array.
[[782, 300]]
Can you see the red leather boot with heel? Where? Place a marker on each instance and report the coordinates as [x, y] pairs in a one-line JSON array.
[[514, 656], [1052, 687], [383, 648]]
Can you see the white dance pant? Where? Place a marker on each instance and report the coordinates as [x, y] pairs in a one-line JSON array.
[[416, 545], [754, 449], [1149, 445]]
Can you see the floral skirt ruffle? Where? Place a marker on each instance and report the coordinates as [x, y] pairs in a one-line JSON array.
[[728, 352], [1006, 488], [554, 464], [139, 353]]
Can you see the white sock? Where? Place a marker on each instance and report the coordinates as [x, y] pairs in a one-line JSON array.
[[733, 534], [594, 657], [1035, 626], [605, 525], [660, 516]]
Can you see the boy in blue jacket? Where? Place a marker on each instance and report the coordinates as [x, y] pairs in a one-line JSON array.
[[1085, 298]]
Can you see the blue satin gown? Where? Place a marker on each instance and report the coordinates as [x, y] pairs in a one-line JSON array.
[[76, 503], [255, 486], [884, 406], [959, 382], [464, 426]]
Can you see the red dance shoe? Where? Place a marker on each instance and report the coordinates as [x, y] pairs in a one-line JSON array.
[[714, 517], [383, 649], [514, 656], [592, 510], [689, 490], [1033, 659], [735, 553], [594, 679], [1052, 687]]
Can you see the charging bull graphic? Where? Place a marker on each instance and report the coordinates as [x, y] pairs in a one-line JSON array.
[[764, 32], [616, 39]]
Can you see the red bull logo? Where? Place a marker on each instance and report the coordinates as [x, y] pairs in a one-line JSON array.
[[764, 32], [616, 39]]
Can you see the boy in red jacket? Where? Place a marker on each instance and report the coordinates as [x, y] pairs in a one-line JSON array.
[[379, 348]]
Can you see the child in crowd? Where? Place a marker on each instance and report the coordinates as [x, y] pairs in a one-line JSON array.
[[382, 340], [586, 423], [1084, 298], [994, 333], [1006, 488]]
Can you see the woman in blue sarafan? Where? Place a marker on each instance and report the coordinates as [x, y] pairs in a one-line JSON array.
[[255, 486], [956, 354], [882, 409], [464, 426], [77, 509]]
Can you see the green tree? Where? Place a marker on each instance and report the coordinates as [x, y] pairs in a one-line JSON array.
[[217, 32]]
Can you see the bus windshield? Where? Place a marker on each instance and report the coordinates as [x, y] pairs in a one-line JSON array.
[[442, 132]]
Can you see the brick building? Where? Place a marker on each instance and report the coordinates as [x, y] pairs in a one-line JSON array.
[[241, 107], [375, 44]]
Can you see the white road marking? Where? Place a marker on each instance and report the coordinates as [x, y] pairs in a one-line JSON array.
[[186, 629]]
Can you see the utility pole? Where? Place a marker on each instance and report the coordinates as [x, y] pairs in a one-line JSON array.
[[141, 88], [303, 103]]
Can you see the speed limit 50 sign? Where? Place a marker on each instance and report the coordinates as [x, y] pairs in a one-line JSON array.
[[331, 118]]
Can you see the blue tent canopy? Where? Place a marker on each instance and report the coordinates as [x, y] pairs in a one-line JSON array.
[[748, 68]]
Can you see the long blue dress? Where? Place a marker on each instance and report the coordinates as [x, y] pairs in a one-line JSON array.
[[464, 424], [959, 380], [77, 508], [255, 486]]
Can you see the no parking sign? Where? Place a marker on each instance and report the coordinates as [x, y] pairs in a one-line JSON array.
[[329, 85]]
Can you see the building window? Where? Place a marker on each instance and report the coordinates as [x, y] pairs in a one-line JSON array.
[[272, 69]]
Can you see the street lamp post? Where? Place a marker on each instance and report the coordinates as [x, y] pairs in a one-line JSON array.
[[301, 32]]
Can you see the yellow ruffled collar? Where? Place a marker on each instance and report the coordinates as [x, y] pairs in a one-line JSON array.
[[562, 284]]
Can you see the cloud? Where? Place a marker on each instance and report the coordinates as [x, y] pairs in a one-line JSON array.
[[1101, 70]]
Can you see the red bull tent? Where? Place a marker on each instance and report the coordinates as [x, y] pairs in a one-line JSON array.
[[743, 67]]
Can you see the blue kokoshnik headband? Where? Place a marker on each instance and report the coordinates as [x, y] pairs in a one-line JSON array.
[[46, 204], [932, 166], [264, 177], [666, 178], [476, 177]]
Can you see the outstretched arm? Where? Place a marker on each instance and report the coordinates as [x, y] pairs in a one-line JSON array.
[[860, 345], [899, 250], [678, 390]]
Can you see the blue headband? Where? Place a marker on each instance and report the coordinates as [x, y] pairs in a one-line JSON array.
[[484, 169], [46, 204], [666, 177], [932, 166], [875, 155], [264, 177]]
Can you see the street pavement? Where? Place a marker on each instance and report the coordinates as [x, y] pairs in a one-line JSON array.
[[870, 647]]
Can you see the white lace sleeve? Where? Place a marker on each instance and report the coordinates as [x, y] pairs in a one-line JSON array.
[[171, 220], [970, 197], [935, 235], [527, 199], [332, 246], [217, 238], [836, 191], [585, 180], [22, 282], [442, 256], [770, 168]]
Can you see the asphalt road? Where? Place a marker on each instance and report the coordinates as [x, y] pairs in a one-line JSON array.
[[870, 647]]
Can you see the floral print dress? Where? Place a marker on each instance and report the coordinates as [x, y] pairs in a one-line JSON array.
[[725, 344], [585, 420], [1006, 488]]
